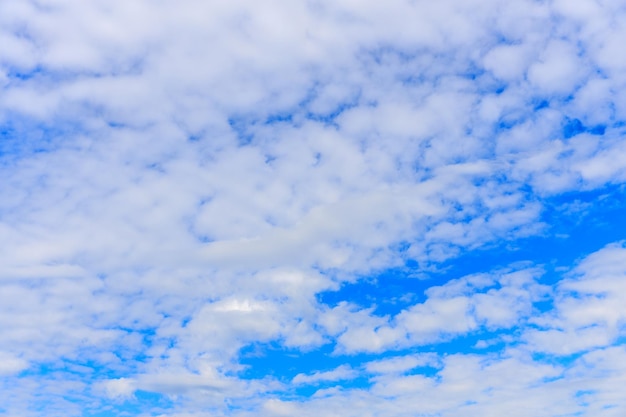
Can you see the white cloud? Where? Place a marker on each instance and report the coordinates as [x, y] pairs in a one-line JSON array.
[[558, 71], [508, 62], [341, 373], [181, 180], [400, 364], [502, 301], [119, 388], [10, 364], [588, 310]]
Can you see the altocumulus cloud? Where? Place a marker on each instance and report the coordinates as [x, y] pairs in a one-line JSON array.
[[306, 208]]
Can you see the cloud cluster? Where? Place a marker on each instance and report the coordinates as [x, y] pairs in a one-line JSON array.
[[181, 181]]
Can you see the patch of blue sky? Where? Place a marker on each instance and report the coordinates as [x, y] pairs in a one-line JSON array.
[[275, 361], [19, 138], [389, 291], [22, 137], [540, 103], [577, 223], [558, 360], [573, 127], [308, 390], [584, 393], [285, 117], [25, 74]]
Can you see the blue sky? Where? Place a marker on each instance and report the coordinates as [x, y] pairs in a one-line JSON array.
[[312, 208]]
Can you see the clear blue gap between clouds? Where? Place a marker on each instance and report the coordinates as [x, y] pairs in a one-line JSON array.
[[566, 240], [271, 360]]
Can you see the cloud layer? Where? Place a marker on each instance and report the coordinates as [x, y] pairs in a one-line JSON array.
[[186, 185]]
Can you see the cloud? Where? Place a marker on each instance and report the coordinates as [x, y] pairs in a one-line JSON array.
[[343, 372], [119, 388], [10, 364], [181, 182], [504, 300], [400, 364], [588, 312]]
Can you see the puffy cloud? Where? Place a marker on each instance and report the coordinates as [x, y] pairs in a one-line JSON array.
[[588, 311], [180, 181], [10, 364]]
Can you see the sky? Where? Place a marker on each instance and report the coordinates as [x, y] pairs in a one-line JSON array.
[[270, 208]]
